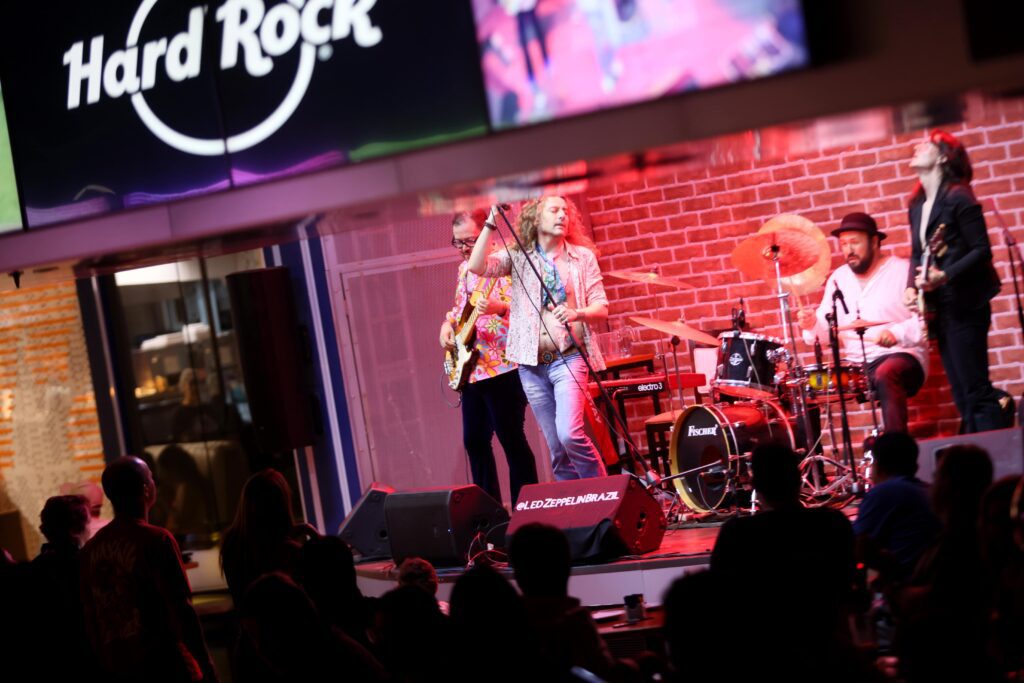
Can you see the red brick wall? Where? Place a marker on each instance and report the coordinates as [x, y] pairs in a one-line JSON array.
[[686, 223]]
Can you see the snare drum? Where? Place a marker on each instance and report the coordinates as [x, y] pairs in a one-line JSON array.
[[711, 439], [746, 365], [824, 387]]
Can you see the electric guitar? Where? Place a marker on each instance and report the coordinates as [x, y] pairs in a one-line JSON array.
[[460, 361], [934, 249]]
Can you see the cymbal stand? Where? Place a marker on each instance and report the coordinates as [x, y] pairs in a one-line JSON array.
[[844, 419], [796, 369], [871, 384], [674, 341]]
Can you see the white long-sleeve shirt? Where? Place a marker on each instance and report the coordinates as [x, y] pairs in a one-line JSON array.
[[880, 298]]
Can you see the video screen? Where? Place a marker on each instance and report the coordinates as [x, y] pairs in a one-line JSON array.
[[547, 59], [10, 209]]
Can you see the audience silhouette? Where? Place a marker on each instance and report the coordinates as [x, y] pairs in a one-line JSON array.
[[895, 523], [776, 603], [135, 595]]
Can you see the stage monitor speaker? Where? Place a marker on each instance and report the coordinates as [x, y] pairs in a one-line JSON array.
[[440, 524], [603, 517], [364, 529], [1003, 445], [272, 359]]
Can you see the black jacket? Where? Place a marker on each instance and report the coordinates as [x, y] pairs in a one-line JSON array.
[[968, 259]]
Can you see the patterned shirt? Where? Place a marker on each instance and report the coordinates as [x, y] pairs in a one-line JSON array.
[[524, 319], [491, 330]]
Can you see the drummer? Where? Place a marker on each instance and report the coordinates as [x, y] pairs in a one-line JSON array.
[[872, 285]]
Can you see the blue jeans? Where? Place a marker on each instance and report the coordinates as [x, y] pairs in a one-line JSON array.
[[557, 394]]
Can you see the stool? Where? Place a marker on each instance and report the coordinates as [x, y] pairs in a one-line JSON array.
[[659, 436]]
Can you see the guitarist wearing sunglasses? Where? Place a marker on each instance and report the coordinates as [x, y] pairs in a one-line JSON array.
[[474, 335], [959, 281]]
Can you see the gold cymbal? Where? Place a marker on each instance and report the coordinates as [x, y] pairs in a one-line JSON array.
[[755, 256], [676, 329], [648, 279], [809, 280]]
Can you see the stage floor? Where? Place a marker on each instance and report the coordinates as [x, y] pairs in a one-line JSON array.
[[682, 550]]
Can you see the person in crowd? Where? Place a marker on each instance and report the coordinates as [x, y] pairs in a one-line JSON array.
[[796, 566], [415, 571], [264, 536], [94, 495], [413, 638], [962, 280], [289, 642], [544, 330], [1003, 558], [565, 632], [135, 594], [55, 618], [895, 517], [328, 573], [871, 282], [493, 401], [489, 621], [942, 615]]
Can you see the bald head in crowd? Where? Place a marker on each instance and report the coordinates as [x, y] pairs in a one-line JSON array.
[[129, 485]]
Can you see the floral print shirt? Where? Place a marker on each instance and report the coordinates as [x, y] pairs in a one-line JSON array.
[[491, 330], [524, 320]]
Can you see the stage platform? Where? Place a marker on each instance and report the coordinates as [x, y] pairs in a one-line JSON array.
[[682, 550]]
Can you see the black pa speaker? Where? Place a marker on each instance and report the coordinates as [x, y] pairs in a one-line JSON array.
[[1004, 446], [272, 358], [603, 517], [440, 524], [364, 528]]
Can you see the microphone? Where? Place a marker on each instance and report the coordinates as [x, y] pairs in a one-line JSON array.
[[504, 206], [817, 353], [838, 294]]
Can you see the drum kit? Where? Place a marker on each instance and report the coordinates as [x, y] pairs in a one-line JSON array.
[[761, 392]]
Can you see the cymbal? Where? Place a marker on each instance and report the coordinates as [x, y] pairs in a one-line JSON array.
[[797, 252], [649, 279], [861, 324], [676, 329], [811, 279]]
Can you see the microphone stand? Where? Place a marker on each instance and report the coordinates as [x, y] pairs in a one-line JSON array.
[[631, 451], [1011, 248], [837, 364]]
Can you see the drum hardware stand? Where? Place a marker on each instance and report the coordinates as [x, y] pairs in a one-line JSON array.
[[856, 487], [799, 397], [868, 457]]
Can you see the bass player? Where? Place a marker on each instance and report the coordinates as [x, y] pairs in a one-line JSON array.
[[493, 401]]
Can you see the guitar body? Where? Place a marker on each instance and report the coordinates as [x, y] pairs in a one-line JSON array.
[[460, 361], [935, 249]]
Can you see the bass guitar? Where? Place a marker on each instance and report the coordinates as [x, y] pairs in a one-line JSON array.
[[460, 361]]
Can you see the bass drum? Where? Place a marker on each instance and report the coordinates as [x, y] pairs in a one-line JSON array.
[[710, 440]]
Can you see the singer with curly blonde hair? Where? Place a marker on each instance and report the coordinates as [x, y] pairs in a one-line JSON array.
[[557, 297]]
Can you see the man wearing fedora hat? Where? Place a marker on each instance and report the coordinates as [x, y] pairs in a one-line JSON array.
[[872, 285]]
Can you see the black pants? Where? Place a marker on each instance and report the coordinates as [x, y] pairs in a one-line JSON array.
[[895, 377], [497, 406], [963, 345]]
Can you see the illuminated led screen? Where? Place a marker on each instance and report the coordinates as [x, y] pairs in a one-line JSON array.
[[10, 210], [547, 59]]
